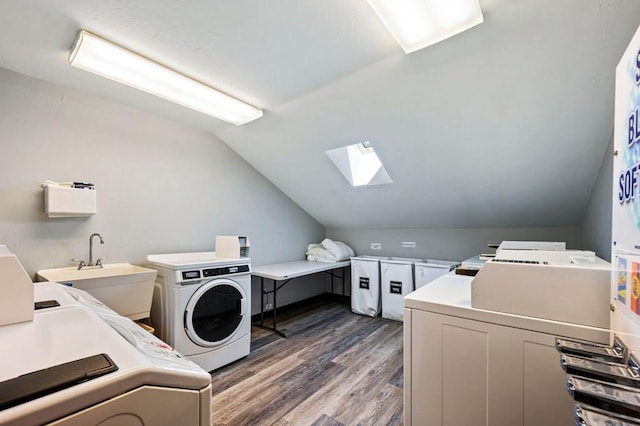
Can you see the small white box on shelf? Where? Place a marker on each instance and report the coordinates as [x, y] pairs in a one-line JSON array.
[[232, 246], [66, 201], [16, 290]]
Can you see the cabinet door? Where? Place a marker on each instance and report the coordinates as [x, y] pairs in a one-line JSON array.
[[466, 372]]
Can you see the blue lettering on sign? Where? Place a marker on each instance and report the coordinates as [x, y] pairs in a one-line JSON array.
[[627, 183], [638, 68], [633, 135]]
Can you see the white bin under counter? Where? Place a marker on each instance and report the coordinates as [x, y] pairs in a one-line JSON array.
[[428, 270], [396, 281], [365, 285], [464, 365]]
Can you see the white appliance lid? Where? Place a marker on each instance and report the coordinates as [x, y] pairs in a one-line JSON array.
[[58, 336], [197, 259]]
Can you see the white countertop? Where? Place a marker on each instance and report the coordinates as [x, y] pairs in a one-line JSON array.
[[450, 294], [448, 290]]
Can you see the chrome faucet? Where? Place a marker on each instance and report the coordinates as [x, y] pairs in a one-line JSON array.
[[99, 262]]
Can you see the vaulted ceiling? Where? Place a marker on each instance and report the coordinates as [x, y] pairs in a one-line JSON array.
[[505, 124]]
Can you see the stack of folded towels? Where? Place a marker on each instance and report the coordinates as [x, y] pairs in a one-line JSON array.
[[329, 251]]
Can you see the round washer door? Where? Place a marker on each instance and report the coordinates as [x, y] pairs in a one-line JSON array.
[[215, 312]]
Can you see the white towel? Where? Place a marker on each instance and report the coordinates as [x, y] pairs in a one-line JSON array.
[[338, 249], [312, 258], [319, 251], [329, 251], [314, 246]]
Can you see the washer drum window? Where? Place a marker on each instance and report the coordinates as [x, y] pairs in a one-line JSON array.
[[214, 313]]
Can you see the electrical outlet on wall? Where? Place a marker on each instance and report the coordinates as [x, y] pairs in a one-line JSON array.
[[376, 246]]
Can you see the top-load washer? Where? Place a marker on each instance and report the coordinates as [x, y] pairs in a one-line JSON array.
[[79, 363], [202, 306]]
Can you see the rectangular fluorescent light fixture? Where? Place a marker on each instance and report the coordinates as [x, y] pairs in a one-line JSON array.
[[359, 164], [416, 24], [93, 54]]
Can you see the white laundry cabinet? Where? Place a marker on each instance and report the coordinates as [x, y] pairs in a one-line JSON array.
[[466, 366]]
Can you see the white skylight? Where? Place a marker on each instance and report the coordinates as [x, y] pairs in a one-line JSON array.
[[359, 164]]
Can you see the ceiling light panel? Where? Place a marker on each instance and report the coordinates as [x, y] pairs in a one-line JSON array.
[[416, 24], [96, 55]]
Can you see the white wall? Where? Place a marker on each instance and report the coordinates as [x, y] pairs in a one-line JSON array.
[[446, 243], [596, 225], [161, 187]]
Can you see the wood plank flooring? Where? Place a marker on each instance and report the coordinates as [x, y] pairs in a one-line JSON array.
[[334, 368]]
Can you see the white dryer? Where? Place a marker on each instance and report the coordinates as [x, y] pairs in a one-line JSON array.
[[201, 306]]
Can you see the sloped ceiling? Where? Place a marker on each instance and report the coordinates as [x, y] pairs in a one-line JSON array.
[[503, 125]]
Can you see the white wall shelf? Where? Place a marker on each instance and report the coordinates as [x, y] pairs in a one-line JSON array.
[[64, 201]]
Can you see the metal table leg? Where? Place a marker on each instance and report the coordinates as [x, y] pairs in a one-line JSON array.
[[274, 309], [261, 300]]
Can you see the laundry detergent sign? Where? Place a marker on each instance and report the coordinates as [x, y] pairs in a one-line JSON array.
[[628, 177], [625, 203]]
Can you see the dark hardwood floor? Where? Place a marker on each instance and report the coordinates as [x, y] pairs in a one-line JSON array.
[[334, 368]]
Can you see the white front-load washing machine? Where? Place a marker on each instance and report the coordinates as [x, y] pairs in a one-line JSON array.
[[202, 306]]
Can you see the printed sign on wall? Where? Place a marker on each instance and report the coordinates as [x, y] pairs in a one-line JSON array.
[[622, 279], [625, 276], [634, 297], [626, 161]]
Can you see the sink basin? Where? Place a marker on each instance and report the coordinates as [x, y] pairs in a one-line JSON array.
[[125, 288]]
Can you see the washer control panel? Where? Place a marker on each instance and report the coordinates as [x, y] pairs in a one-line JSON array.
[[192, 276]]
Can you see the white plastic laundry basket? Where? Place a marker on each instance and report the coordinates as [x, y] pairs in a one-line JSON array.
[[365, 285], [430, 269], [396, 282]]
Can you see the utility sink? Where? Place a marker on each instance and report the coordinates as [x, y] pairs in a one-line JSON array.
[[125, 288]]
